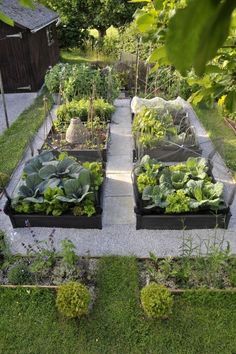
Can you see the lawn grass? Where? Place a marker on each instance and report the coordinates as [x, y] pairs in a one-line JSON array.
[[76, 56], [14, 140], [201, 324], [217, 129]]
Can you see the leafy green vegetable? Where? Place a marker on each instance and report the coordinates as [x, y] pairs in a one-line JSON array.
[[179, 179], [177, 202], [178, 188], [205, 194], [57, 186], [156, 195], [76, 189], [144, 180]]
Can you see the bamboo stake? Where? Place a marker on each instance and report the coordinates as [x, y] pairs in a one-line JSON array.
[[137, 66]]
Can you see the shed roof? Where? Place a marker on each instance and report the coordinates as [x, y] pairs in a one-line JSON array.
[[33, 19]]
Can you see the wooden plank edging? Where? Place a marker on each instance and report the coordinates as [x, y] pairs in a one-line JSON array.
[[173, 291]]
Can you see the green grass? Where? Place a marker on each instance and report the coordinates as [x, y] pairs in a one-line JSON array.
[[76, 56], [201, 324], [224, 137], [14, 140]]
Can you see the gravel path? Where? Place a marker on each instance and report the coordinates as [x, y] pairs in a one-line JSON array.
[[119, 236], [16, 103]]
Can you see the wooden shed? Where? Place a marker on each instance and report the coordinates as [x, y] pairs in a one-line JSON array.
[[28, 48]]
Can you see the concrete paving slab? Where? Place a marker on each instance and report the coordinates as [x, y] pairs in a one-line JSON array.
[[118, 210], [120, 145], [119, 165], [118, 184], [16, 103]]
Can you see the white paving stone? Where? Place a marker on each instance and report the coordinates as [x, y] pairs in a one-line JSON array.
[[16, 103]]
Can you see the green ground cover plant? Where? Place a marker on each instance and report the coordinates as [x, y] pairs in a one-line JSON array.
[[201, 322], [14, 140]]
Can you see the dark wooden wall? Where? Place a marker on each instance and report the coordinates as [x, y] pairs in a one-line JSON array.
[[24, 62], [14, 59], [42, 55]]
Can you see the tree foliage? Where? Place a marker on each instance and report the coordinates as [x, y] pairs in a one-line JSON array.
[[106, 13], [195, 34], [77, 16]]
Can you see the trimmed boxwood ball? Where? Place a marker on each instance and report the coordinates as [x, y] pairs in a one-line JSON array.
[[73, 299], [156, 301]]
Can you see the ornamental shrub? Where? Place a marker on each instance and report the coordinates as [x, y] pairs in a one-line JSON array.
[[73, 299], [156, 301]]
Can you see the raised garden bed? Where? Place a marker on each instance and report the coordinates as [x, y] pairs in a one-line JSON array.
[[62, 221], [53, 142], [164, 136], [183, 221], [169, 152], [151, 206], [58, 193]]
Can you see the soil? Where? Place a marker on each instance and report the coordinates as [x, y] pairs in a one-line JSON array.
[[57, 140]]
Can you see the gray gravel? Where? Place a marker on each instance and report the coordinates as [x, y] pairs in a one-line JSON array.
[[119, 236], [16, 103]]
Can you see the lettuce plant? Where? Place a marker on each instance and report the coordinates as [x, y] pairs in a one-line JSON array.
[[177, 202]]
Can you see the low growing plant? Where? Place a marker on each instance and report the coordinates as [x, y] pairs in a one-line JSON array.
[[20, 274], [204, 264], [42, 254], [69, 257]]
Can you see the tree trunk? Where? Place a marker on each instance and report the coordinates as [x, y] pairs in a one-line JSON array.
[[102, 32]]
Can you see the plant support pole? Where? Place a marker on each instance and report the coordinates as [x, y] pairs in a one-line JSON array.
[[137, 66], [3, 100]]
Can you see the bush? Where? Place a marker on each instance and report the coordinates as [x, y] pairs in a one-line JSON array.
[[77, 81], [55, 77], [83, 78], [156, 301], [73, 299], [19, 274], [80, 109]]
